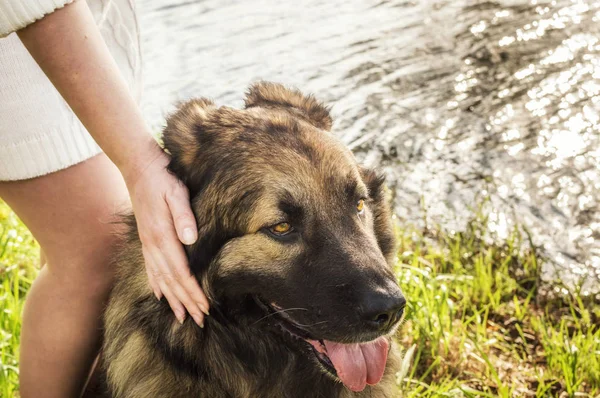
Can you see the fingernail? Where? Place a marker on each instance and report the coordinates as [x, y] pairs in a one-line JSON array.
[[203, 308], [189, 236], [157, 295], [180, 317], [198, 320]]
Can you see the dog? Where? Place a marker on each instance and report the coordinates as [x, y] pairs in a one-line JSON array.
[[295, 254]]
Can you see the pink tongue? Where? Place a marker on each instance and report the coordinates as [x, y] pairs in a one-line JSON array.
[[358, 364]]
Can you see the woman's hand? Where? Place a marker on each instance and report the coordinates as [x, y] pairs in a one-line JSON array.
[[165, 220]]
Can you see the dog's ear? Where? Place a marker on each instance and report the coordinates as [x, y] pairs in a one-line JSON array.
[[382, 220], [182, 135], [273, 95]]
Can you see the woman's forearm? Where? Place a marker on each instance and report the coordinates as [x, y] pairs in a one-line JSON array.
[[69, 48]]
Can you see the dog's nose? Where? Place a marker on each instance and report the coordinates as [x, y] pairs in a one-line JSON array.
[[382, 310]]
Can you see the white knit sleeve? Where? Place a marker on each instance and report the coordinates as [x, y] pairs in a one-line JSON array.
[[16, 14]]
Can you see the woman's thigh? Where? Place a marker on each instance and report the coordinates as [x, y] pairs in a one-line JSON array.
[[71, 213]]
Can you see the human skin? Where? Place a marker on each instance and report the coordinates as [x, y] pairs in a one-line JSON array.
[[60, 334], [69, 211]]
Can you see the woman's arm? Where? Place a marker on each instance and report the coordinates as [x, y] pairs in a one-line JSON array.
[[70, 50]]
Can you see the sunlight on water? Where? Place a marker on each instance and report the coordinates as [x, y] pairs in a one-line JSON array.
[[455, 100]]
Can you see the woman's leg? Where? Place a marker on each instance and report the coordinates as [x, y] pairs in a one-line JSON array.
[[69, 213]]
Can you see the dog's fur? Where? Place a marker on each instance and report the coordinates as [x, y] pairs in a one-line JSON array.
[[246, 170]]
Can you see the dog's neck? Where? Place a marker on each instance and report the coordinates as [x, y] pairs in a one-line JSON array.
[[239, 336]]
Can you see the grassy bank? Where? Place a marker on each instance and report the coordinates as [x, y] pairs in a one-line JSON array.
[[477, 325]]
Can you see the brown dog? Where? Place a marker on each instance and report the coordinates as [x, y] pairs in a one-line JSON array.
[[294, 253]]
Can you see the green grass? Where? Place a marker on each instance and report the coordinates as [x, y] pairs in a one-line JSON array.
[[477, 323], [19, 255]]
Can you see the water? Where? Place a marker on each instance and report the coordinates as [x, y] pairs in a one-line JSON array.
[[455, 100]]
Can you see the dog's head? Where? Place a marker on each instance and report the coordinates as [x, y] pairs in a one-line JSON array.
[[289, 221]]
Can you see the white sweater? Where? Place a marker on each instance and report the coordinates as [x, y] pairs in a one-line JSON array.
[[15, 15], [39, 133]]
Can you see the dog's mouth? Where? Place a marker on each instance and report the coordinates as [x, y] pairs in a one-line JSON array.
[[355, 365]]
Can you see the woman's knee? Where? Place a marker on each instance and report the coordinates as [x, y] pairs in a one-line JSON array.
[[89, 267], [71, 213]]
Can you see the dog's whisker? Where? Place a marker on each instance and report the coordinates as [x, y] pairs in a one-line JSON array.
[[312, 324], [279, 312], [293, 309]]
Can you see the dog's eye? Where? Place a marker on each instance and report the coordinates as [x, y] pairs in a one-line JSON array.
[[283, 228], [360, 206]]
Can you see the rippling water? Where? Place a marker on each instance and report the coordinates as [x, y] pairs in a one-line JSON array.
[[455, 100]]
